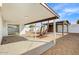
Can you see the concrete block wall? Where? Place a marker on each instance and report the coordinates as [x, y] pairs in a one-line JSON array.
[[74, 28]]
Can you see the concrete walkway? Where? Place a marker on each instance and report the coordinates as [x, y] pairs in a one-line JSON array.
[[66, 45]]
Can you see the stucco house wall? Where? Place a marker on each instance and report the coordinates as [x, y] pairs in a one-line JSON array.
[[5, 29]]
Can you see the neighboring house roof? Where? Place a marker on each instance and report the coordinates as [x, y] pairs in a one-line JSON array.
[[24, 13], [65, 22]]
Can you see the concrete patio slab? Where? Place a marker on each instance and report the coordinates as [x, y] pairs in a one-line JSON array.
[[28, 47]]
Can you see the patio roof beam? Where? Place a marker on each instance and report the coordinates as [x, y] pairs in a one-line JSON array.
[[42, 20]]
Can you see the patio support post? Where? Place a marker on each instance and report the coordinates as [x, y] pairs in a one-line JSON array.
[[54, 30], [35, 31], [62, 29], [41, 30], [21, 31], [1, 30], [48, 26], [67, 28]]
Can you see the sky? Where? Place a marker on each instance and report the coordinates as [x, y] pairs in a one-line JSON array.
[[66, 11]]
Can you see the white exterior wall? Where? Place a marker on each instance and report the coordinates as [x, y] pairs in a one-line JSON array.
[[74, 28], [5, 29]]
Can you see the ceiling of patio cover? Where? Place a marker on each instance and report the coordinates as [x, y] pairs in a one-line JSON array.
[[23, 13]]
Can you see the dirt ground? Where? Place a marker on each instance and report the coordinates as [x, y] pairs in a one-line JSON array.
[[66, 45]]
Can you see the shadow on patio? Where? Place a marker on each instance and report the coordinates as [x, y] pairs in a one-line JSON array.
[[12, 39]]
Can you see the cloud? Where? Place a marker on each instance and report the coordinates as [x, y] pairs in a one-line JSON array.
[[59, 6], [68, 12], [65, 9]]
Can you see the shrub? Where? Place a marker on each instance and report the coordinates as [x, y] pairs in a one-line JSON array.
[[77, 21]]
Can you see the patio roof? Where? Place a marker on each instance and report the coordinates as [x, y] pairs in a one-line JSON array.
[[25, 13]]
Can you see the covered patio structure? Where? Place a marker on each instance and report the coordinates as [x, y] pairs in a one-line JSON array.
[[21, 15], [61, 26]]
